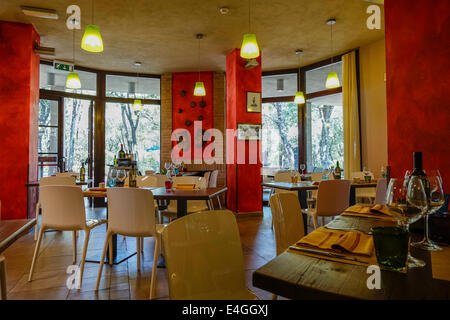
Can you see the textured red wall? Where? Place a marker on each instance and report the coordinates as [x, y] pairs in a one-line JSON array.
[[418, 84], [19, 94], [243, 180], [186, 81]]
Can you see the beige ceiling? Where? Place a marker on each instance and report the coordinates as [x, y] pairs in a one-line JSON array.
[[161, 33]]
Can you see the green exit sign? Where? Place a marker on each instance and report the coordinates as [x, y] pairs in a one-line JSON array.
[[64, 66]]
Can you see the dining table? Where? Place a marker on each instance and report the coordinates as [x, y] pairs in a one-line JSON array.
[[304, 186], [181, 196], [296, 275]]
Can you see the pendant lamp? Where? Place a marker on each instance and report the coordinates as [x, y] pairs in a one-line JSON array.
[[199, 89], [73, 80], [299, 96], [249, 47], [332, 78], [92, 39]]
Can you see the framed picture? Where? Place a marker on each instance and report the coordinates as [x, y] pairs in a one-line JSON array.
[[253, 101], [249, 131]]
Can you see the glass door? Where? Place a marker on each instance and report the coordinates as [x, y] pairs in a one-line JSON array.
[[49, 142]]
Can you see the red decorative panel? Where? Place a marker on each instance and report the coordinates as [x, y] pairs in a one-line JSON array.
[[183, 96], [243, 180], [19, 93], [418, 84]]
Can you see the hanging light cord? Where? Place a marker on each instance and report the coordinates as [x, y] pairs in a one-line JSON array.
[[198, 59], [73, 47], [249, 18], [92, 8]]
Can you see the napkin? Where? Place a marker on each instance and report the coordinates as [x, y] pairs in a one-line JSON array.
[[339, 241], [376, 210]]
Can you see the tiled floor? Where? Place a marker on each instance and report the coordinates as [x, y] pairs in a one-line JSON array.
[[119, 281]]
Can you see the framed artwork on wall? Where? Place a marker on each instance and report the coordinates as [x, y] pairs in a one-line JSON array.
[[249, 131], [253, 101]]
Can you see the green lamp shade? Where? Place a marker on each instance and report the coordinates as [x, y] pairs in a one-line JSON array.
[[249, 48], [299, 98], [73, 81], [332, 81], [137, 105], [92, 40], [199, 89]]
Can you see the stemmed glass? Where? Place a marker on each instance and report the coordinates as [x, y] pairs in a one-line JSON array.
[[436, 200], [121, 176], [112, 175], [302, 168], [406, 200]]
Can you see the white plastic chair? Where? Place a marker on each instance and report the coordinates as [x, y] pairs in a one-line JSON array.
[[130, 213], [64, 180], [63, 209], [204, 257], [283, 176], [192, 205], [213, 184], [333, 198], [380, 194]]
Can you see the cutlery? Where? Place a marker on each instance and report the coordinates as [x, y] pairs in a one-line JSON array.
[[327, 254]]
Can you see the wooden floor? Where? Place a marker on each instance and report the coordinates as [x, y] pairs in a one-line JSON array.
[[119, 281]]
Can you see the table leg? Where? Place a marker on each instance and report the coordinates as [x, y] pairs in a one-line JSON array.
[[181, 208], [3, 277], [302, 197], [352, 200]]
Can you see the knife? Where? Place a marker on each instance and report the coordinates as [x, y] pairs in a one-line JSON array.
[[327, 254]]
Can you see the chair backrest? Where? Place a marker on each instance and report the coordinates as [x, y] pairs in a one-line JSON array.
[[213, 179], [333, 197], [287, 220], [62, 207], [57, 181], [316, 176], [149, 172], [283, 176], [66, 174], [380, 195], [203, 256], [147, 182], [131, 212], [200, 182], [207, 177]]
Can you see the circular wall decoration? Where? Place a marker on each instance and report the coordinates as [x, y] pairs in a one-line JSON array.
[[193, 104], [180, 110], [200, 118], [182, 93], [202, 104], [188, 123]]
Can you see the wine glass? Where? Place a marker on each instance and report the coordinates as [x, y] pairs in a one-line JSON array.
[[112, 175], [406, 201], [302, 168], [436, 200], [121, 176], [325, 174]]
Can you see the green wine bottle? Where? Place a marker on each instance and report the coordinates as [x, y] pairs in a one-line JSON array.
[[82, 172], [121, 152], [418, 172], [337, 172]]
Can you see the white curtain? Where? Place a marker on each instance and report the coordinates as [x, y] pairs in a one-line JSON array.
[[352, 152]]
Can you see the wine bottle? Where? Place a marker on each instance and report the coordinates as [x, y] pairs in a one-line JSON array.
[[82, 172], [337, 172], [132, 177], [121, 152], [418, 171], [115, 161]]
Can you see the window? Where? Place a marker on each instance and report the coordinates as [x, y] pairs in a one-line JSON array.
[[324, 132], [132, 87], [137, 130], [48, 137], [316, 78], [280, 135], [52, 79]]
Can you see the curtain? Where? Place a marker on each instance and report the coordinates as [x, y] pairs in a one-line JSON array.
[[352, 152]]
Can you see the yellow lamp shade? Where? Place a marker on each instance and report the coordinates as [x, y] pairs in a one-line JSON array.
[[73, 81], [332, 81], [92, 40], [199, 89], [299, 98], [137, 105], [249, 48]]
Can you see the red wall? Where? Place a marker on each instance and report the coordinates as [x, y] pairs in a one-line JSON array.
[[418, 84], [243, 180], [19, 97], [186, 81]]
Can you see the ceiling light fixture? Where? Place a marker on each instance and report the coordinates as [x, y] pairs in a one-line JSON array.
[[199, 89], [137, 103], [73, 80], [249, 47], [332, 78], [39, 12], [92, 39], [280, 85], [299, 96]]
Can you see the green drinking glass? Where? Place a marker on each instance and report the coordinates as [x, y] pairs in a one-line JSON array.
[[391, 247]]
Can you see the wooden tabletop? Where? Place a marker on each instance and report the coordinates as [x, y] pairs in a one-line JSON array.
[[298, 276], [36, 183], [309, 186], [11, 230], [171, 194]]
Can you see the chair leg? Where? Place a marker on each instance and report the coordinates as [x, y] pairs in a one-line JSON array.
[[74, 243], [218, 201], [3, 277], [138, 253], [315, 222], [102, 260], [36, 251], [83, 257], [142, 244], [155, 260], [111, 258], [36, 226]]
